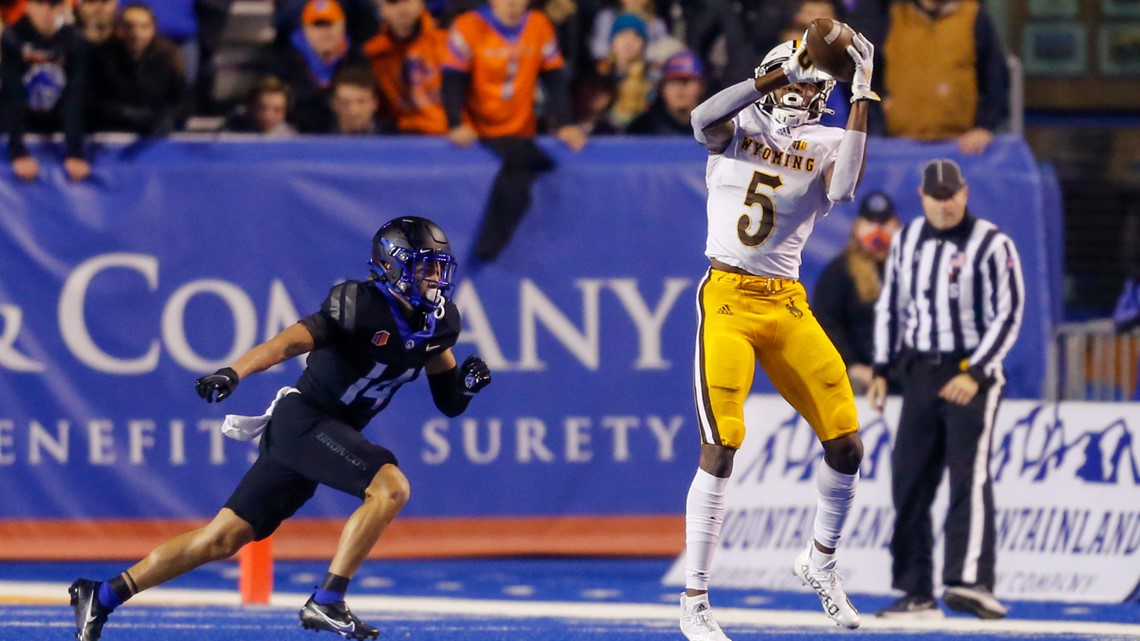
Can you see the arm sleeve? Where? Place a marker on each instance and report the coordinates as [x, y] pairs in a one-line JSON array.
[[993, 75], [556, 83], [455, 85], [445, 392], [1002, 271], [722, 106], [848, 167]]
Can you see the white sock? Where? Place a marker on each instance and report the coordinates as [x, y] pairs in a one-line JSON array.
[[704, 516], [821, 559], [836, 493]]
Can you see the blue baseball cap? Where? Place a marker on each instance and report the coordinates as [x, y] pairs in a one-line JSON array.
[[683, 64]]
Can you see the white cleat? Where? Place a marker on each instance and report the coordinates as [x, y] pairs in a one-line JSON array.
[[697, 623], [828, 586]]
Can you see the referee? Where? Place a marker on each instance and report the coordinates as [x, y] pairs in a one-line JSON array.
[[950, 310]]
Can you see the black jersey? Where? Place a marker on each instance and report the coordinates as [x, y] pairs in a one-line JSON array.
[[365, 350], [43, 81]]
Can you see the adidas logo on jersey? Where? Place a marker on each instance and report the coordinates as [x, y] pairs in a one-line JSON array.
[[725, 309]]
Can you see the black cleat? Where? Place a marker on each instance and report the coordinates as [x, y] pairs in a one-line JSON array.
[[976, 600], [90, 615], [912, 606], [336, 618]]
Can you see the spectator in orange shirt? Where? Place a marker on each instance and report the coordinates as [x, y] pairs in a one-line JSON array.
[[406, 57], [496, 56], [11, 11]]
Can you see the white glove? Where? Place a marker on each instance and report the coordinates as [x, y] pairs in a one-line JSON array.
[[863, 53], [795, 71]]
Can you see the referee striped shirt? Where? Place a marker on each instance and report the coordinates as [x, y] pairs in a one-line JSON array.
[[950, 292]]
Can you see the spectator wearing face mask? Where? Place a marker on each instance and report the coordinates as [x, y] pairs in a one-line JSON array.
[[845, 294]]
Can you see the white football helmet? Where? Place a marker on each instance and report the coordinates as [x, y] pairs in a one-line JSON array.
[[792, 110]]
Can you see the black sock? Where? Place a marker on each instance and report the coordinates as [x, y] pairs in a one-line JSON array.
[[332, 590], [114, 592]]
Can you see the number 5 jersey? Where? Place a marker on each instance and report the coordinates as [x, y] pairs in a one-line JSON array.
[[765, 192]]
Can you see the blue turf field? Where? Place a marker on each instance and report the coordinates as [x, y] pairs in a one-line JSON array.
[[497, 599]]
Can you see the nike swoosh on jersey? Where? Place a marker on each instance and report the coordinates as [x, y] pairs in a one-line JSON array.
[[431, 347]]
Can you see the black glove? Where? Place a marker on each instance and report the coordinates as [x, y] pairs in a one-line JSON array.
[[216, 387], [474, 375]]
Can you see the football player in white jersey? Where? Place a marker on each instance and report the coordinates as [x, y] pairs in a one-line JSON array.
[[772, 171]]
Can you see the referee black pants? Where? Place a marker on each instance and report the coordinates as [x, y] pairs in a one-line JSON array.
[[936, 435]]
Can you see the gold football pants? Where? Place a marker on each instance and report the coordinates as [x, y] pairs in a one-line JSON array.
[[742, 320]]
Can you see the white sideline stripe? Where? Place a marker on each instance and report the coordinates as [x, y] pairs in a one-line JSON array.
[[42, 592]]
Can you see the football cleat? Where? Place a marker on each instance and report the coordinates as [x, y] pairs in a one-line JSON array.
[[975, 600], [912, 606], [335, 618], [828, 586], [90, 615], [697, 623]]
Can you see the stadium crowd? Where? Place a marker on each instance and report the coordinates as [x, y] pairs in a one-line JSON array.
[[365, 67]]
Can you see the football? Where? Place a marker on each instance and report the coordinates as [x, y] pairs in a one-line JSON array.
[[826, 43]]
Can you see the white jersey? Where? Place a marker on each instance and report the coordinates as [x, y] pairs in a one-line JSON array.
[[765, 192]]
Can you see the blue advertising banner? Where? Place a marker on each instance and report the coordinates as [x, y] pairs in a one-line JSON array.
[[176, 257]]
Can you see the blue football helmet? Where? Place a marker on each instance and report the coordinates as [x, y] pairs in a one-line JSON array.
[[408, 252]]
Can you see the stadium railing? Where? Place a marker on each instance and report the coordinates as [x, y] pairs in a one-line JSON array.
[[1091, 361]]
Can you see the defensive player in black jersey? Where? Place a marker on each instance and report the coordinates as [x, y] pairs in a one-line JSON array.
[[367, 340]]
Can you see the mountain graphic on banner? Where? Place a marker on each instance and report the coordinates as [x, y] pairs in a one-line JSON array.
[[792, 450], [1037, 446], [1040, 445]]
